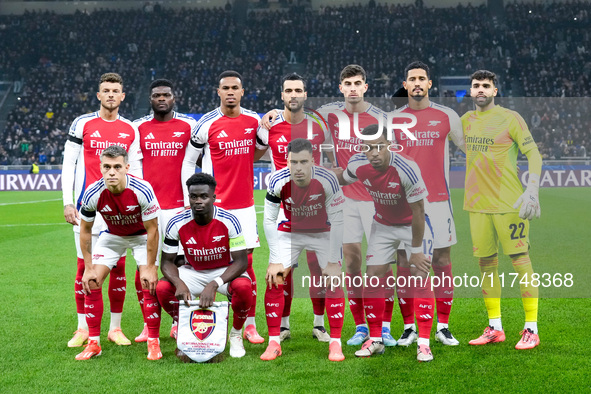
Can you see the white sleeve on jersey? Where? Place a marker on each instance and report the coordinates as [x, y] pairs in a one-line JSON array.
[[350, 173], [147, 199], [199, 138], [411, 179], [456, 132], [90, 200], [272, 207], [71, 153], [262, 138], [171, 235], [135, 154]]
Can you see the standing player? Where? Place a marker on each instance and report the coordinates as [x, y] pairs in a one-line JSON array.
[[313, 204], [398, 192], [359, 207], [435, 125], [216, 252], [89, 135], [130, 210], [493, 136], [293, 123], [227, 138], [164, 136]]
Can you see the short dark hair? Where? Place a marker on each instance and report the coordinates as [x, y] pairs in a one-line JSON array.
[[201, 178], [374, 129], [111, 77], [161, 82], [300, 144], [115, 151], [481, 75], [414, 65], [230, 74], [293, 77], [352, 70]]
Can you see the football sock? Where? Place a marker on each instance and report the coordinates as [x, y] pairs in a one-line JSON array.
[[253, 279], [167, 300], [152, 314], [78, 293], [529, 293], [82, 321], [491, 286], [241, 291], [532, 325], [235, 333], [117, 284], [274, 303], [139, 290], [386, 324], [275, 338], [444, 292], [423, 341], [93, 306], [441, 326], [405, 296], [496, 324], [389, 294], [316, 290], [337, 340], [424, 305], [288, 294], [115, 321], [318, 320], [355, 295], [407, 326], [374, 303], [285, 321], [335, 309], [97, 339]]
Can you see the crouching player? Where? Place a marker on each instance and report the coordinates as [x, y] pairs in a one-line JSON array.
[[395, 184], [313, 205], [130, 210], [216, 252]]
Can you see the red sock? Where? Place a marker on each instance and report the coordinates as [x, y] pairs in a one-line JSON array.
[[152, 314], [240, 290], [424, 307], [389, 292], [253, 279], [93, 307], [405, 297], [444, 293], [117, 284], [355, 295], [317, 293], [165, 293], [374, 303], [140, 293], [274, 305], [335, 309], [78, 293], [288, 294]]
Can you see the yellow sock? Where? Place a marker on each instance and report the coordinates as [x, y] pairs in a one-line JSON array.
[[529, 293], [491, 286]]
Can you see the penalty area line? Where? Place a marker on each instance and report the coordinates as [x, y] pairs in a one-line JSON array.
[[33, 224]]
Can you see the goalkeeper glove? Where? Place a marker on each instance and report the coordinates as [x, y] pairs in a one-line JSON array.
[[530, 204]]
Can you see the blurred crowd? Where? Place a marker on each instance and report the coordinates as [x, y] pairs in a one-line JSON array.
[[538, 50]]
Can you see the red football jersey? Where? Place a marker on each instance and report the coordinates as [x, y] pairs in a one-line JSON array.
[[163, 145], [228, 146], [206, 247], [391, 190], [345, 148], [124, 213], [431, 149]]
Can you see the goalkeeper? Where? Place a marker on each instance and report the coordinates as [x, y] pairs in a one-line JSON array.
[[499, 208]]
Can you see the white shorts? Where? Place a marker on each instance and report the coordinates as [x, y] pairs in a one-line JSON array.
[[248, 221], [357, 217], [197, 280], [384, 241], [98, 226], [110, 248], [163, 219], [442, 220], [291, 246]]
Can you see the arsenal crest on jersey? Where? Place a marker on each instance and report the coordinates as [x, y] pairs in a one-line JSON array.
[[202, 323]]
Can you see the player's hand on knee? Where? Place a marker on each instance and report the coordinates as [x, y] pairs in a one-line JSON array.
[[420, 263], [149, 278], [332, 271], [71, 215], [182, 293], [89, 276], [207, 296], [275, 275]]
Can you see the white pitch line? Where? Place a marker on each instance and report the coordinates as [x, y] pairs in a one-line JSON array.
[[28, 202], [32, 224]]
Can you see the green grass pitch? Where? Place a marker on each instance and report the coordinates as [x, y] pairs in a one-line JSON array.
[[38, 317]]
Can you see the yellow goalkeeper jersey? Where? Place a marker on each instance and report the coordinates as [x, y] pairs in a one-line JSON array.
[[493, 139]]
